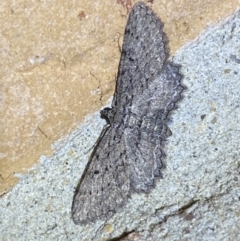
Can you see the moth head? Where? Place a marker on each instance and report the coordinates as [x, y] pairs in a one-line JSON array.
[[107, 114]]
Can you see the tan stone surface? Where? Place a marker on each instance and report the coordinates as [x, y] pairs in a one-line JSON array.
[[59, 60]]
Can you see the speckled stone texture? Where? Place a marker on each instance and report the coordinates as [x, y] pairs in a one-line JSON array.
[[198, 197]]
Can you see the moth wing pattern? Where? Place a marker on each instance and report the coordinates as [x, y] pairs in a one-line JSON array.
[[145, 133], [143, 54], [127, 157], [104, 185]]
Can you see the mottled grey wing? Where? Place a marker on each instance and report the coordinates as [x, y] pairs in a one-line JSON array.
[[145, 132], [105, 184], [143, 54]]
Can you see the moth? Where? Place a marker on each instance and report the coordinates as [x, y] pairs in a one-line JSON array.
[[128, 155]]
